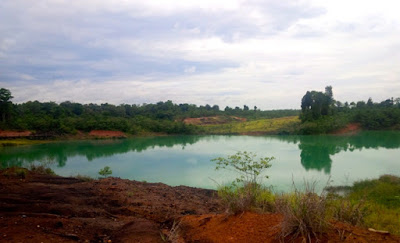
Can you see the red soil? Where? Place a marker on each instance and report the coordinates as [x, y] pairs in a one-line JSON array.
[[45, 208], [351, 128], [107, 134], [14, 134], [252, 227], [246, 227]]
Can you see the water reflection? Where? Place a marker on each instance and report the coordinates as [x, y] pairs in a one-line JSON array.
[[60, 152], [315, 151]]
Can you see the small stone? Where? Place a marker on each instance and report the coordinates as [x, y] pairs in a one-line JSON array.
[[23, 216], [38, 226]]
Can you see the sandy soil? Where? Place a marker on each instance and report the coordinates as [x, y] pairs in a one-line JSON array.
[[44, 208]]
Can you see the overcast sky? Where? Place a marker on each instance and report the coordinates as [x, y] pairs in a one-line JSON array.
[[264, 53]]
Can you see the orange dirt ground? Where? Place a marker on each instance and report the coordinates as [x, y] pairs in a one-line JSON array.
[[45, 208], [14, 134], [252, 227], [350, 129], [107, 134]]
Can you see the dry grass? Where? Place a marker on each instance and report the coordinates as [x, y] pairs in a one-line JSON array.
[[352, 212], [246, 197], [304, 213]]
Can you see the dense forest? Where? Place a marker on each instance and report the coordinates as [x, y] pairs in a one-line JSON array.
[[321, 113], [69, 117]]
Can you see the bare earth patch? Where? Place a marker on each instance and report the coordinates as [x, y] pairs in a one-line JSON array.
[[14, 134], [350, 129], [253, 227], [107, 134], [213, 120]]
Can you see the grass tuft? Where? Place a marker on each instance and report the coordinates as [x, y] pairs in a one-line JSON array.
[[246, 197], [304, 213]]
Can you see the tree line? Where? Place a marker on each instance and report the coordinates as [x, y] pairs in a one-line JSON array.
[[69, 117], [321, 113]]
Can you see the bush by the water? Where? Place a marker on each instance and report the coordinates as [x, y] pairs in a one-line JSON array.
[[246, 192]]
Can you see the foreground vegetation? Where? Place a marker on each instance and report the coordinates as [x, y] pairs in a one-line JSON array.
[[306, 213]]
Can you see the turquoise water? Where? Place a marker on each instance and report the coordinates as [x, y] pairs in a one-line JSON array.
[[185, 160]]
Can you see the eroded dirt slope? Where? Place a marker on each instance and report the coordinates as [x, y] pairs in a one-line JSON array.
[[44, 208]]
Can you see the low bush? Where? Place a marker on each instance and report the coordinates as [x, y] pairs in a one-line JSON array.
[[349, 211], [246, 197], [246, 193], [40, 169], [304, 213]]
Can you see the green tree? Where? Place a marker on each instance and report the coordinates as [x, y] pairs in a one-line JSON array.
[[315, 104], [245, 164], [106, 171], [5, 104]]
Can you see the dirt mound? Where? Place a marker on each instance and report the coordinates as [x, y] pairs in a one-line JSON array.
[[252, 227], [14, 134], [107, 134], [44, 208], [351, 128], [213, 120], [246, 227]]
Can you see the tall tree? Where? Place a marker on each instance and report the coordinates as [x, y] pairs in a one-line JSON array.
[[5, 104], [315, 104]]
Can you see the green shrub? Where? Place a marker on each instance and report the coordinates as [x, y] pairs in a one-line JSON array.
[[245, 197], [106, 171], [349, 211], [246, 193]]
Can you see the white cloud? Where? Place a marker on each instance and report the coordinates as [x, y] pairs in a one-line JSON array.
[[264, 53]]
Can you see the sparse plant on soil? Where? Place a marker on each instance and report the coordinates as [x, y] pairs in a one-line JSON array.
[[106, 171], [246, 192], [304, 213], [173, 235], [41, 169], [84, 177]]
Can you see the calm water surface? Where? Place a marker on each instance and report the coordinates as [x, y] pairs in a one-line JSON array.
[[185, 160]]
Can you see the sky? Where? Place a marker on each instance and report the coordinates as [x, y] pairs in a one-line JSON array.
[[225, 52]]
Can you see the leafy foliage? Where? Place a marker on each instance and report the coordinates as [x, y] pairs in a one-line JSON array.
[[246, 193], [50, 118], [245, 164], [322, 114], [106, 171]]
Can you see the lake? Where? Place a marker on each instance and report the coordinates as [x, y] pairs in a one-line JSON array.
[[185, 160]]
